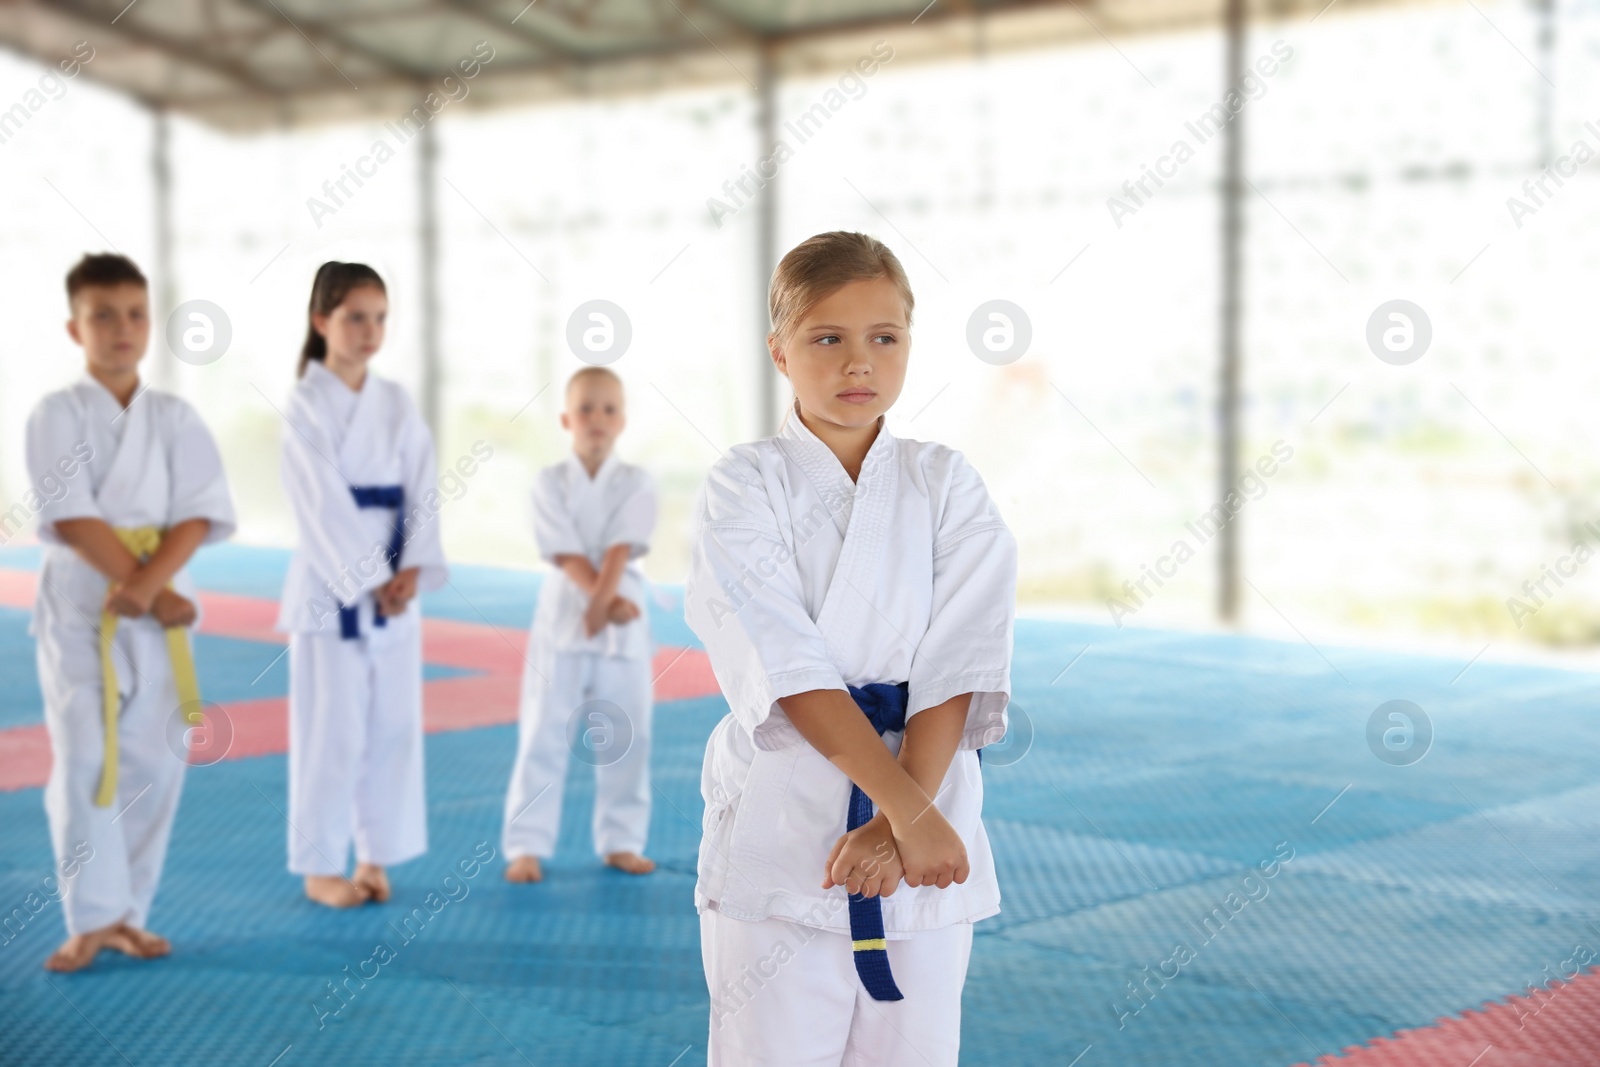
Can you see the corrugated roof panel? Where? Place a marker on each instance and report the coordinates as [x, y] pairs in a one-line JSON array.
[[253, 63]]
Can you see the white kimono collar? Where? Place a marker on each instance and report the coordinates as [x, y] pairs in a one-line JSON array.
[[125, 475], [861, 512], [818, 460], [827, 475], [576, 469], [328, 379], [96, 384]]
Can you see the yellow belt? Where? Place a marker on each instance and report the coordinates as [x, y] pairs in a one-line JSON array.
[[142, 541]]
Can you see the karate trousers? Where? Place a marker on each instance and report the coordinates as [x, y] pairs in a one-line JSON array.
[[119, 849], [786, 994], [599, 708], [355, 748]]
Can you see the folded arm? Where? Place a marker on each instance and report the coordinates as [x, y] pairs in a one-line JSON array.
[[927, 847], [96, 543], [601, 587], [931, 740], [137, 588], [581, 571], [832, 723]]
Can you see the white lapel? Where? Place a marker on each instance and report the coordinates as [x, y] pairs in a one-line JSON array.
[[362, 453], [578, 487], [586, 497], [137, 462], [821, 468], [867, 508], [598, 514]]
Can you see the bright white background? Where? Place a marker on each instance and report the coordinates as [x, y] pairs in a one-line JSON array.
[[1381, 154]]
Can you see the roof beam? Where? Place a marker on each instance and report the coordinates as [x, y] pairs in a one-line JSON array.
[[582, 21], [250, 38], [242, 62], [173, 48], [745, 26], [310, 28], [961, 10], [531, 34], [555, 65]]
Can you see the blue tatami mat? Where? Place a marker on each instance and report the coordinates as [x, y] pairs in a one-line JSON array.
[[1152, 788]]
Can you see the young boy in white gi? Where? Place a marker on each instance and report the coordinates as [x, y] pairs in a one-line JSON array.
[[359, 471], [587, 688], [855, 593], [129, 484]]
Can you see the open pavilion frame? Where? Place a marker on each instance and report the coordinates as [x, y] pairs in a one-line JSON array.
[[257, 65]]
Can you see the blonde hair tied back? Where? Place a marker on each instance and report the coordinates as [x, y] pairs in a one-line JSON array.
[[821, 265]]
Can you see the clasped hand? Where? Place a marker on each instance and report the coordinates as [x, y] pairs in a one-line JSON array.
[[133, 599], [396, 593], [873, 859], [598, 614]]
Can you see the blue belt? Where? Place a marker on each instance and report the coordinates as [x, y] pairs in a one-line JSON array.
[[885, 707], [377, 496]]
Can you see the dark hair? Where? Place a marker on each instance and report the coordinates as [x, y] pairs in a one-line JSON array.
[[333, 283], [103, 268]]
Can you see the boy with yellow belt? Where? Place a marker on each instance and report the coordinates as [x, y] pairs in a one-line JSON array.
[[128, 483]]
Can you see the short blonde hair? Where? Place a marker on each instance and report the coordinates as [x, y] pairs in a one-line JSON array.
[[585, 373], [820, 266]]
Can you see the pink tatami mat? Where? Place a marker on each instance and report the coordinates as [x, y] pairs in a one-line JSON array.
[[260, 727]]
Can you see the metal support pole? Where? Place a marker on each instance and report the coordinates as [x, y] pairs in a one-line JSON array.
[[1545, 88], [766, 239], [1228, 385], [428, 252], [162, 369]]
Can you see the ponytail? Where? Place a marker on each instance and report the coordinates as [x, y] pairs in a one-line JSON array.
[[332, 284]]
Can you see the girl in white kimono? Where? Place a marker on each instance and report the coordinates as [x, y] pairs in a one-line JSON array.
[[127, 483], [855, 593], [586, 690], [358, 467]]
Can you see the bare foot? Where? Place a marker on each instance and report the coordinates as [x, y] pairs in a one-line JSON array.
[[79, 950], [524, 869], [335, 890], [373, 879], [631, 862], [140, 944]]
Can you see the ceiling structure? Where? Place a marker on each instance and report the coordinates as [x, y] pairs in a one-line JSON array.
[[256, 64]]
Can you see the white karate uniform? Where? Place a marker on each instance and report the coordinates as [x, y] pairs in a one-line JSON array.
[[355, 705], [590, 695], [151, 464], [788, 994], [801, 580]]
